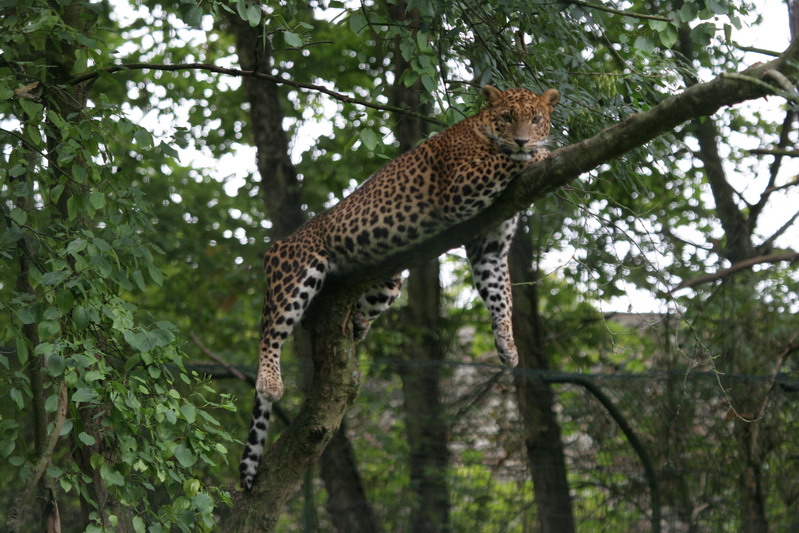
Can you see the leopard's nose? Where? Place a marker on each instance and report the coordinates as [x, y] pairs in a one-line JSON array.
[[522, 142]]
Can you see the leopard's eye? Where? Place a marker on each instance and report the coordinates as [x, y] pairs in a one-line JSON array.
[[507, 117], [536, 119]]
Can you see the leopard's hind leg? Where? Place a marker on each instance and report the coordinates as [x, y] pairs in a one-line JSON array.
[[254, 447], [488, 256], [296, 274], [374, 301]]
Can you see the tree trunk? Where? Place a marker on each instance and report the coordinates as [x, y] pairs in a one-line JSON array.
[[542, 436], [280, 192], [346, 496], [335, 385]]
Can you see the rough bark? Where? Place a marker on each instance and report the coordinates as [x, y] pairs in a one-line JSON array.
[[542, 436], [335, 385], [332, 383]]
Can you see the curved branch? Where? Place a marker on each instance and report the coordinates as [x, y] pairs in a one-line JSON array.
[[87, 76], [632, 438]]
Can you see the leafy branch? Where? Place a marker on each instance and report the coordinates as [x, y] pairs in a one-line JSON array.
[[618, 11], [88, 76]]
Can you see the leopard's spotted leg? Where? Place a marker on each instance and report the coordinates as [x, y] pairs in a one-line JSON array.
[[296, 275], [374, 301], [254, 447], [488, 256]]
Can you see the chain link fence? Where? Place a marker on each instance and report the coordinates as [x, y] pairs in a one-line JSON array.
[[720, 451]]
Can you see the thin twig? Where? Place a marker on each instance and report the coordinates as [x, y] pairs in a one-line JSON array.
[[618, 11], [230, 368], [23, 498], [756, 50], [789, 95], [737, 267], [774, 151], [768, 242], [255, 74]]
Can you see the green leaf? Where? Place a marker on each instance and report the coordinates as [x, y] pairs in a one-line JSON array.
[[292, 39], [66, 428], [143, 138], [369, 139], [16, 395], [668, 37], [138, 525], [56, 364], [185, 456], [189, 412], [19, 216], [80, 317], [87, 439], [26, 315], [253, 15], [644, 45], [48, 328], [55, 277], [84, 394], [357, 21], [22, 350], [32, 109], [97, 199], [55, 192], [112, 477], [658, 25]]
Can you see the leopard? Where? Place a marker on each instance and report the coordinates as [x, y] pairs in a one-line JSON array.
[[447, 179]]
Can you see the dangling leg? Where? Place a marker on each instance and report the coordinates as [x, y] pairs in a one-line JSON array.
[[374, 301], [254, 447], [295, 276], [488, 256]]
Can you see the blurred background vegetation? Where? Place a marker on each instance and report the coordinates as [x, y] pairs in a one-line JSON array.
[[655, 298]]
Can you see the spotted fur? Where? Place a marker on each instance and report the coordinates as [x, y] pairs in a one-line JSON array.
[[447, 179]]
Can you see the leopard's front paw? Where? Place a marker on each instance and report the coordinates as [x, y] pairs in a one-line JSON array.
[[270, 387]]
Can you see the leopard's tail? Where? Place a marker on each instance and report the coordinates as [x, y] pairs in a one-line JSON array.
[[254, 447]]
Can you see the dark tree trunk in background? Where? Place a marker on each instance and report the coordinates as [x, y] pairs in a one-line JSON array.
[[346, 496], [542, 435], [280, 191], [425, 422]]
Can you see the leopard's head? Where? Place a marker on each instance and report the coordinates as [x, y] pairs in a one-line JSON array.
[[516, 121]]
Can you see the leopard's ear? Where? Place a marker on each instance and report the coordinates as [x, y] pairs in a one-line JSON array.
[[550, 98], [492, 95]]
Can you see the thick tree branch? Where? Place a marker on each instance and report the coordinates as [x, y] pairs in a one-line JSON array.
[[87, 76], [566, 164]]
